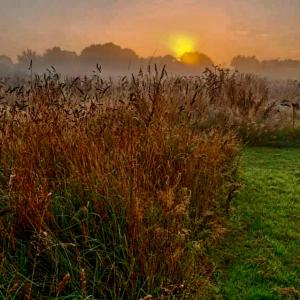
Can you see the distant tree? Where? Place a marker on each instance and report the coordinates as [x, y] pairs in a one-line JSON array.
[[292, 63], [189, 63], [272, 68], [64, 61], [5, 60], [56, 56], [196, 59], [6, 65], [108, 55], [28, 56], [246, 63], [167, 60]]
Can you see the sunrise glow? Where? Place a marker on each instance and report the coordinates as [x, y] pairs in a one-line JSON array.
[[181, 44]]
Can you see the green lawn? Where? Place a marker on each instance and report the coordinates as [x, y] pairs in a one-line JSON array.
[[260, 258]]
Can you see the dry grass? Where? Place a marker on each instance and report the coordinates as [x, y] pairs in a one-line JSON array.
[[110, 189]]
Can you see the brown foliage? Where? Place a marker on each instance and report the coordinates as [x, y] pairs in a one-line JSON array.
[[145, 155]]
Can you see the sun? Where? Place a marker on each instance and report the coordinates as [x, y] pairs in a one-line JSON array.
[[181, 44]]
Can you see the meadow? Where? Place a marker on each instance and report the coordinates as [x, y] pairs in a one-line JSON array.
[[259, 259], [121, 188]]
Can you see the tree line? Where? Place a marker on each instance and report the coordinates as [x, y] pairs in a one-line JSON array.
[[112, 58], [116, 60], [273, 68]]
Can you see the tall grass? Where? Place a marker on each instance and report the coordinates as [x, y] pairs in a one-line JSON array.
[[112, 190]]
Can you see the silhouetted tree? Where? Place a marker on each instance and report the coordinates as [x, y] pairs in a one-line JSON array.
[[6, 65], [246, 63], [109, 56], [196, 60], [56, 55], [28, 58], [273, 68], [63, 60]]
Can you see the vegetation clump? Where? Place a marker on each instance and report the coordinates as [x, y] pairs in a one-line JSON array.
[[113, 189]]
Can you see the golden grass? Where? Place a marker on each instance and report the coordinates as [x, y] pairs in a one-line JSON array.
[[110, 186]]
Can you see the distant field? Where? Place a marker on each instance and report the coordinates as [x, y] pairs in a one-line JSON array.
[[260, 259]]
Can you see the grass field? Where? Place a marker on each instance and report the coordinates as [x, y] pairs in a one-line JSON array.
[[260, 258], [117, 190]]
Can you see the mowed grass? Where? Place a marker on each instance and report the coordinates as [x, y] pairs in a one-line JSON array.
[[260, 258]]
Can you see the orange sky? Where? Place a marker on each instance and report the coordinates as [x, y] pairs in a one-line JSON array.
[[221, 28]]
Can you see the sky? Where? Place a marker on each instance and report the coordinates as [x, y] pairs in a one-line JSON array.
[[219, 28]]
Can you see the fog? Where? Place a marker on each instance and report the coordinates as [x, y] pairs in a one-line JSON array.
[[111, 58], [273, 68]]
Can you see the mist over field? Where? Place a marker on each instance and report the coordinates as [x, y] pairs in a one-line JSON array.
[[113, 59], [117, 61]]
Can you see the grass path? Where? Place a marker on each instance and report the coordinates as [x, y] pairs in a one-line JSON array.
[[260, 258]]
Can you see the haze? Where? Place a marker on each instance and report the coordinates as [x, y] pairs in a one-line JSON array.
[[221, 29]]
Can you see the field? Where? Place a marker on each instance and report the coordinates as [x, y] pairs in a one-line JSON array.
[[140, 187], [260, 257]]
